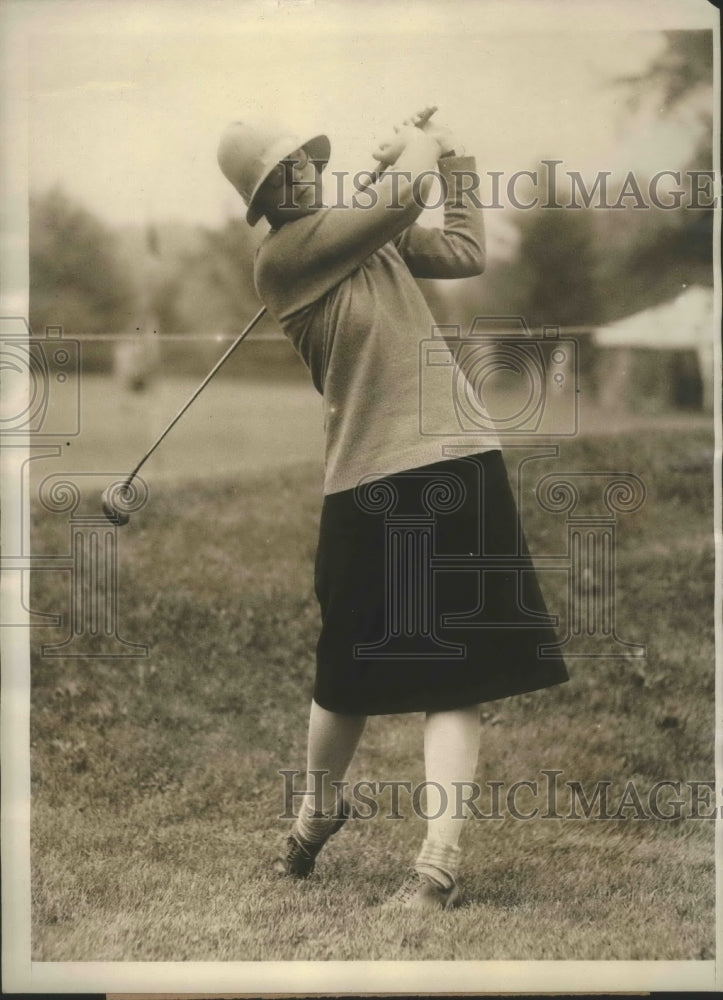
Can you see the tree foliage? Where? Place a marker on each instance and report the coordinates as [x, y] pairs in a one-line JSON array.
[[671, 249], [215, 281], [558, 264], [681, 73], [76, 278]]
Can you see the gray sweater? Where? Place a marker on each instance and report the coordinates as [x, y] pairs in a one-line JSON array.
[[340, 282]]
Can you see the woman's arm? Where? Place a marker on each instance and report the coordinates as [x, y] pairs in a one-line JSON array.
[[386, 208], [457, 250]]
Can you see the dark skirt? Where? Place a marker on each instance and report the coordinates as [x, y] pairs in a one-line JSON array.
[[429, 599]]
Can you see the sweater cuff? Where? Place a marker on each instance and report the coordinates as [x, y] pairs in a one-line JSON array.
[[448, 164]]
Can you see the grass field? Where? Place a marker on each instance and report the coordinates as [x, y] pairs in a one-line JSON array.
[[155, 784]]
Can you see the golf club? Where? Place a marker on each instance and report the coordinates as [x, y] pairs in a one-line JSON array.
[[117, 498]]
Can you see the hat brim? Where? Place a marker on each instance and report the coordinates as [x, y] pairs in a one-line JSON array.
[[318, 149]]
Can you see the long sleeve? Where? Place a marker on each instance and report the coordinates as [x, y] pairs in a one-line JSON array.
[[457, 250]]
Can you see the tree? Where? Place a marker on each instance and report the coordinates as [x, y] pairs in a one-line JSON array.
[[215, 281], [681, 76], [76, 278], [671, 249], [557, 267]]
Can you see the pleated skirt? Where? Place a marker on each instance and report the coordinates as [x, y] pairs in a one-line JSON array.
[[429, 597]]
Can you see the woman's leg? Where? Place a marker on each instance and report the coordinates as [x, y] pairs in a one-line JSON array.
[[451, 749], [333, 739]]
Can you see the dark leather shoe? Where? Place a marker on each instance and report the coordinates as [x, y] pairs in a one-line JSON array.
[[419, 891], [300, 857]]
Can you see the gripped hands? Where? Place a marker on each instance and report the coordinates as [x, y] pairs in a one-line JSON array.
[[390, 149]]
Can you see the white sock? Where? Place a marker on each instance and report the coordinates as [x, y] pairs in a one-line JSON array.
[[311, 826], [440, 861]]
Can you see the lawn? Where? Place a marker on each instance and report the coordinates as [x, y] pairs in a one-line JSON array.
[[155, 785]]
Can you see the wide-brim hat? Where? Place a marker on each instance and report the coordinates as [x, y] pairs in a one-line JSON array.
[[247, 153]]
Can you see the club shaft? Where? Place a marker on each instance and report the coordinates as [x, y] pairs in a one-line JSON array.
[[224, 357]]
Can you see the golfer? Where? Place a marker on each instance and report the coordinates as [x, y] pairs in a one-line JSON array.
[[340, 281]]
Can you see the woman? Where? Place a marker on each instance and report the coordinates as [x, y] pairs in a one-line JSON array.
[[340, 282]]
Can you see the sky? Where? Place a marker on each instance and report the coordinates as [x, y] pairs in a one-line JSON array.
[[125, 103]]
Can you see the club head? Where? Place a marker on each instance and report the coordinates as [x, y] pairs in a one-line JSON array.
[[111, 506]]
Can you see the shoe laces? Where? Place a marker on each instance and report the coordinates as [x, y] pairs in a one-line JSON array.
[[409, 886], [297, 849]]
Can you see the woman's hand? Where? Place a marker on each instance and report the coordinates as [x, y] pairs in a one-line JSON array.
[[442, 133], [389, 150]]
